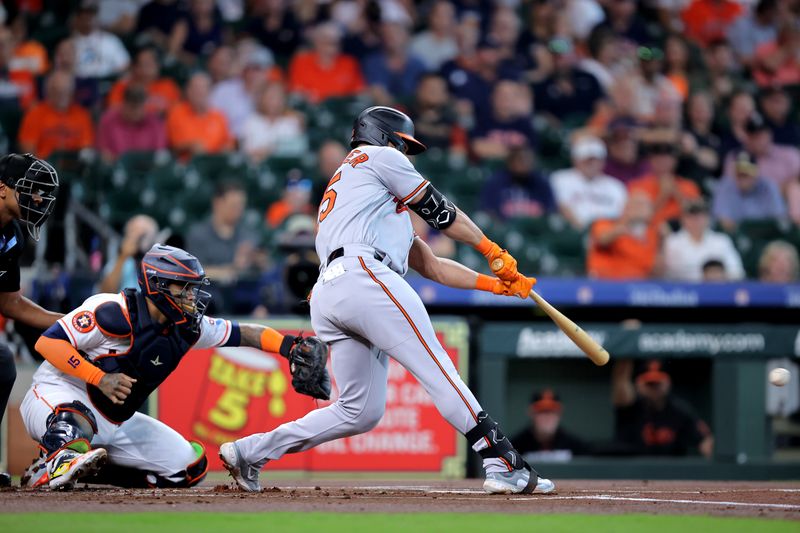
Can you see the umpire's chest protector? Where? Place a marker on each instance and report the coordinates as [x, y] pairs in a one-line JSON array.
[[155, 351]]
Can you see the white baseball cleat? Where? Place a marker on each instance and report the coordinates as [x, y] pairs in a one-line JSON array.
[[245, 474], [68, 466], [516, 482]]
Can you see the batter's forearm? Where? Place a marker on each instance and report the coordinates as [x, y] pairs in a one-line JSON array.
[[464, 230], [454, 274]]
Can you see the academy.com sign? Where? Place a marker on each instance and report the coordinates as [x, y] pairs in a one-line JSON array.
[[681, 341]]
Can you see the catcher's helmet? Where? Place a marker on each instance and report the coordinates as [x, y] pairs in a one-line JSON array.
[[164, 267], [381, 125], [35, 183]]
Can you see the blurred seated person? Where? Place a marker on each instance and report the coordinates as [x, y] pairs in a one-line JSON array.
[[777, 106], [120, 272], [296, 199], [778, 163], [700, 134], [162, 93], [714, 272], [687, 250], [29, 54], [507, 126], [779, 263], [236, 97], [193, 126], [666, 190], [324, 72], [584, 193], [156, 20], [649, 419], [707, 20], [624, 161], [626, 247], [65, 59], [130, 127], [436, 124], [393, 72], [17, 87], [746, 195], [221, 243], [329, 157], [273, 129], [544, 440], [100, 54], [57, 123], [196, 33], [519, 190], [437, 42], [777, 62], [570, 93]]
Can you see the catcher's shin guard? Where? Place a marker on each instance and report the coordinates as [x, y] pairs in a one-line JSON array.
[[70, 425], [134, 478], [497, 445]]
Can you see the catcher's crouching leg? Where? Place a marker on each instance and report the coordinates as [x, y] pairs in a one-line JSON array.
[[135, 478]]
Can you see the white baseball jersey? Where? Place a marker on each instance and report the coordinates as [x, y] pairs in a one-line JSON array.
[[88, 337], [364, 204]]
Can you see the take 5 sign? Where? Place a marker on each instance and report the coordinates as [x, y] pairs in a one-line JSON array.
[[220, 395]]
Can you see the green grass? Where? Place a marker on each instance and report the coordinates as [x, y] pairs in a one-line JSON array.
[[378, 523]]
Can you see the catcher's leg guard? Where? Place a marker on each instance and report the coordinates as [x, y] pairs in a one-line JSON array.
[[496, 445], [135, 478], [70, 425]]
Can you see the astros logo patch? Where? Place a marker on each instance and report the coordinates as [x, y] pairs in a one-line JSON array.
[[83, 322]]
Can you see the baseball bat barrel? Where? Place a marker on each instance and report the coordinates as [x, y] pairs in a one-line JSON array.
[[590, 347]]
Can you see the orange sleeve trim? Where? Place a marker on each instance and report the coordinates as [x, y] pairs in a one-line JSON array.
[[485, 283], [66, 358], [414, 192], [271, 340]]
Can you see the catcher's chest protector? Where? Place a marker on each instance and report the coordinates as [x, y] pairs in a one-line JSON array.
[[153, 355]]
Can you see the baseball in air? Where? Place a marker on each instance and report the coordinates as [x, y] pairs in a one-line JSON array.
[[779, 376]]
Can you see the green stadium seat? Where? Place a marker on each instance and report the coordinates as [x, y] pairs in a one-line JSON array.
[[753, 235]]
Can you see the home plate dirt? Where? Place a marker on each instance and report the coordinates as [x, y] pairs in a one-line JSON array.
[[773, 500]]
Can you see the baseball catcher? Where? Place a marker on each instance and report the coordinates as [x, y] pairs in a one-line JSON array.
[[104, 359]]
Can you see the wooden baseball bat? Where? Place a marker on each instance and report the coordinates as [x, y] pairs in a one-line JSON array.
[[590, 347]]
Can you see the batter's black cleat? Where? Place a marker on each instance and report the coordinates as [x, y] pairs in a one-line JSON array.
[[5, 480]]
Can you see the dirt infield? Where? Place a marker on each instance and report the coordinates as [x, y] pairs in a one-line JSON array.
[[773, 500]]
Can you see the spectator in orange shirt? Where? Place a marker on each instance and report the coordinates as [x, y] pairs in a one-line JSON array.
[[29, 55], [17, 90], [57, 123], [778, 62], [708, 20], [625, 248], [324, 72], [667, 191], [193, 127], [162, 93], [296, 199]]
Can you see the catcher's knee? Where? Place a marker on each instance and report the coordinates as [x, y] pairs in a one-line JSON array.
[[136, 478], [70, 425], [193, 474]]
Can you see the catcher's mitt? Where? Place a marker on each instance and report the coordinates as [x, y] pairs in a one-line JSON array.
[[307, 359]]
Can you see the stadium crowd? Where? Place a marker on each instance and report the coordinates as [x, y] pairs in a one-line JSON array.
[[662, 135]]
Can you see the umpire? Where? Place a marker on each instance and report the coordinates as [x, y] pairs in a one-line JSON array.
[[28, 187]]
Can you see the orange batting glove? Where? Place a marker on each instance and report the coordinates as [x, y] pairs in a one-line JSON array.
[[500, 261], [520, 287]]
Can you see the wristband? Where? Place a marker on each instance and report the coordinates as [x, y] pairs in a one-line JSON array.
[[271, 340], [485, 283]]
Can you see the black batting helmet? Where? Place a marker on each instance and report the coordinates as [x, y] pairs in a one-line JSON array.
[[163, 266], [381, 125], [35, 183]]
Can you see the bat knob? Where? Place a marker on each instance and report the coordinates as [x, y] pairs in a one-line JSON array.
[[497, 264]]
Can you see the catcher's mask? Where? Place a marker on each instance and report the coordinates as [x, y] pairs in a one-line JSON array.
[[35, 184], [172, 279], [381, 125]]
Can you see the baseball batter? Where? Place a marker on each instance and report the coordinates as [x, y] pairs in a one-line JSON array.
[[364, 309]]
